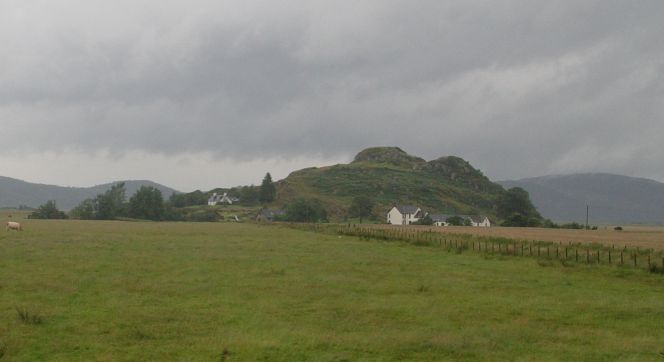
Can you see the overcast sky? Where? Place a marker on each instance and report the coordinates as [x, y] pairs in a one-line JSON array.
[[200, 94]]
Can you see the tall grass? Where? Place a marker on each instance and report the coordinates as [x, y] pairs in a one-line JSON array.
[[29, 317]]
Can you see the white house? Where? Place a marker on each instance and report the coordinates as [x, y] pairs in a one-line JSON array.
[[479, 221], [216, 199], [404, 215], [440, 219], [476, 221]]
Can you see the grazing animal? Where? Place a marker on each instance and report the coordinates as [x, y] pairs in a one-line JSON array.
[[12, 225]]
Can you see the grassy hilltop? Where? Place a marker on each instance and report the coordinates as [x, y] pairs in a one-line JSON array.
[[390, 175]]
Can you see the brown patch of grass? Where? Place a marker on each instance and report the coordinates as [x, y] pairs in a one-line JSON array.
[[631, 237]]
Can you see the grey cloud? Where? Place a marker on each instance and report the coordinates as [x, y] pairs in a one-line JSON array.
[[519, 88]]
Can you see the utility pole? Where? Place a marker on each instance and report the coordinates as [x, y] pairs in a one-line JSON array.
[[587, 212]]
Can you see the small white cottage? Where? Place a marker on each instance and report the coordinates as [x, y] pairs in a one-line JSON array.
[[216, 199], [440, 219], [479, 221], [404, 215]]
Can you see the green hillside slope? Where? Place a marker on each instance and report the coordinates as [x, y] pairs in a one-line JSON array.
[[390, 175]]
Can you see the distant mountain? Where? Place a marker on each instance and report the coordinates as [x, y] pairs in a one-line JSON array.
[[389, 175], [14, 193], [613, 199]]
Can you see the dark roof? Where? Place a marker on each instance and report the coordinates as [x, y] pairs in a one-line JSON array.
[[443, 217], [474, 218], [407, 209], [439, 217]]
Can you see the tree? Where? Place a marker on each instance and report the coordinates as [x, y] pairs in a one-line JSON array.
[[49, 210], [361, 207], [249, 195], [110, 204], [457, 221], [426, 220], [85, 210], [516, 208], [193, 198], [519, 220], [268, 191], [306, 210], [147, 203]]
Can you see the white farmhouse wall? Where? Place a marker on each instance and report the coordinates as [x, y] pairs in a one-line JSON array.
[[394, 217], [410, 218], [484, 224]]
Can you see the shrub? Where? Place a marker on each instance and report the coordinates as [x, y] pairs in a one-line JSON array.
[[306, 210], [424, 221], [49, 210], [618, 228], [203, 216], [28, 317], [656, 269], [572, 225]]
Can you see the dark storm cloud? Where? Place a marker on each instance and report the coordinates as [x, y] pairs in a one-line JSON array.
[[517, 87]]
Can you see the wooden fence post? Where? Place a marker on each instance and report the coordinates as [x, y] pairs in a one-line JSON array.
[[622, 259]]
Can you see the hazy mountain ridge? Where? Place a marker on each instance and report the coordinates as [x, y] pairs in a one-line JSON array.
[[613, 199], [14, 192]]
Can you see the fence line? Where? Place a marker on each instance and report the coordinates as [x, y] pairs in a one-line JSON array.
[[596, 254]]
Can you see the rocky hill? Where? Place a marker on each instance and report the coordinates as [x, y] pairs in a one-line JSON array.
[[613, 199], [390, 175], [14, 193]]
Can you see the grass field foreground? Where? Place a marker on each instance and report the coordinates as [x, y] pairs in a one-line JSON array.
[[88, 290]]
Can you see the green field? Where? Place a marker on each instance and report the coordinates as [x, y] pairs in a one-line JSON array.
[[117, 291]]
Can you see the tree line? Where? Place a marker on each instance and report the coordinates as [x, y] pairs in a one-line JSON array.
[[148, 204], [248, 195], [513, 207]]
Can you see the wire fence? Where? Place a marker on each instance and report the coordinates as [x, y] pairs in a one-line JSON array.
[[579, 253]]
